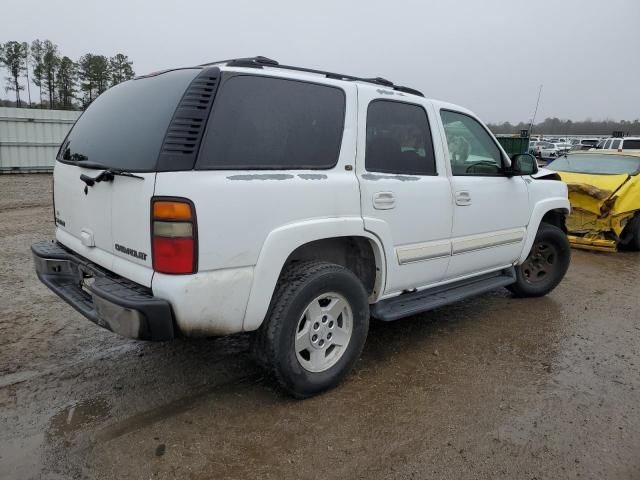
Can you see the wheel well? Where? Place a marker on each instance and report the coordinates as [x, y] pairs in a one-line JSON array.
[[354, 253], [557, 218], [627, 232]]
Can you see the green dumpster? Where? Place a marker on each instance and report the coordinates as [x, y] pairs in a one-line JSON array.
[[514, 143]]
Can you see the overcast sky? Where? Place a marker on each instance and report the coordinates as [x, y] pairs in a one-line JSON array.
[[490, 55]]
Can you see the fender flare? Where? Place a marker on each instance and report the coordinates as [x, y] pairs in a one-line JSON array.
[[281, 242], [539, 211]]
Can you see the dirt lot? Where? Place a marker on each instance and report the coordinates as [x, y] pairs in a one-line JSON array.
[[494, 387]]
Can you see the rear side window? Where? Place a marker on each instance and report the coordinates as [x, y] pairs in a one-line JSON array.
[[398, 139], [270, 123], [631, 145], [125, 126]]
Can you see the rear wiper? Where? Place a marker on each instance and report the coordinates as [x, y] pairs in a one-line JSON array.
[[107, 176]]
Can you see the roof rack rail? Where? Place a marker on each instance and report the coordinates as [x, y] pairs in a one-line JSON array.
[[260, 62]]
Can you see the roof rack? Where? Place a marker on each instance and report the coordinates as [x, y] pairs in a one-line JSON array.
[[260, 62]]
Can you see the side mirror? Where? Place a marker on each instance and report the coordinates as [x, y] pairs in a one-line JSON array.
[[523, 164]]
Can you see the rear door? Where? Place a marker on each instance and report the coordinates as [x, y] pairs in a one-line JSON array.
[[108, 222], [405, 192]]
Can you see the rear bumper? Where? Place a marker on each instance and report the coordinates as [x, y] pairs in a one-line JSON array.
[[106, 299]]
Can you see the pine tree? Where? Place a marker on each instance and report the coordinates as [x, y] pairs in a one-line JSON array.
[[85, 74], [50, 62], [101, 73], [37, 55], [121, 69], [94, 73], [67, 76], [13, 56]]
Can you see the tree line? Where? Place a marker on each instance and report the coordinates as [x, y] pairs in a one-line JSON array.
[[557, 126], [62, 82]]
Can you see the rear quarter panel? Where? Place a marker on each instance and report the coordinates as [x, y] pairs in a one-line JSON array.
[[237, 210]]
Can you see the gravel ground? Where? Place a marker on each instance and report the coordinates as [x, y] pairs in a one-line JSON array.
[[494, 387]]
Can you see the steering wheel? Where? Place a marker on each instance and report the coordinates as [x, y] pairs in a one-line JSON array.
[[488, 163]]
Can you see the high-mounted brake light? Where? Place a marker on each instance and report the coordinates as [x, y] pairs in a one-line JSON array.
[[174, 236]]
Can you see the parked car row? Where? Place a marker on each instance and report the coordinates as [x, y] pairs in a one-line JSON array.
[[547, 149]]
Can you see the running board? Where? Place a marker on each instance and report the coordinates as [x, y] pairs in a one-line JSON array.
[[413, 303]]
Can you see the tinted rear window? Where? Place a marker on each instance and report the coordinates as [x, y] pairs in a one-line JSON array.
[[398, 139], [270, 123], [631, 145], [125, 126]]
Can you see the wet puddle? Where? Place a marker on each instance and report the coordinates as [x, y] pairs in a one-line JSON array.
[[79, 415]]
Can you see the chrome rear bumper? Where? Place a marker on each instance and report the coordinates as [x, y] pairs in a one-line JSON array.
[[106, 299]]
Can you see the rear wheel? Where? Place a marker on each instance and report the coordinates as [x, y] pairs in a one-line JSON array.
[[315, 328], [546, 264]]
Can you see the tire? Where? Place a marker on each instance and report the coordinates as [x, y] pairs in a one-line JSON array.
[[315, 328], [546, 264], [634, 232]]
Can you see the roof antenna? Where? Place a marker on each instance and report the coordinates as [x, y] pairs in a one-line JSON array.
[[533, 119]]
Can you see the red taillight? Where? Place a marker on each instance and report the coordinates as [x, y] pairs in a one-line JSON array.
[[173, 255], [174, 236]]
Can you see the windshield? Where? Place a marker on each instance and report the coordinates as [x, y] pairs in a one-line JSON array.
[[125, 126], [598, 164]]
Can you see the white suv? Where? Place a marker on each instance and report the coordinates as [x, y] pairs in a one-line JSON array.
[[245, 196], [627, 144]]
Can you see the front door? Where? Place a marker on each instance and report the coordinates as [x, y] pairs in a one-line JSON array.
[[491, 209], [402, 188]]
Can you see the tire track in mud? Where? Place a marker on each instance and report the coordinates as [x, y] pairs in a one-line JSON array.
[[23, 206], [171, 409]]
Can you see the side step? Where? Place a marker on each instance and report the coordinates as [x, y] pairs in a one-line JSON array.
[[413, 303]]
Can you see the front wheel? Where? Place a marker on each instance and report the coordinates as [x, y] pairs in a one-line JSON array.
[[315, 328], [633, 229], [546, 264]]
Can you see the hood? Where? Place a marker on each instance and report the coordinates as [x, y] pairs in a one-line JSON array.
[[593, 193], [546, 174]]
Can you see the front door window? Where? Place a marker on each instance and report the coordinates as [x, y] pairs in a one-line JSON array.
[[472, 151]]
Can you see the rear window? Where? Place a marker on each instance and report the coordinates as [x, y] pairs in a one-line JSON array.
[[631, 145], [602, 164], [271, 123], [125, 126]]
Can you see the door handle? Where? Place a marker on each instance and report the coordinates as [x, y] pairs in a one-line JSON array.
[[384, 200], [463, 198]]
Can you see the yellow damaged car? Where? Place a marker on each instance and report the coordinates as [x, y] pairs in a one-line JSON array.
[[604, 191]]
